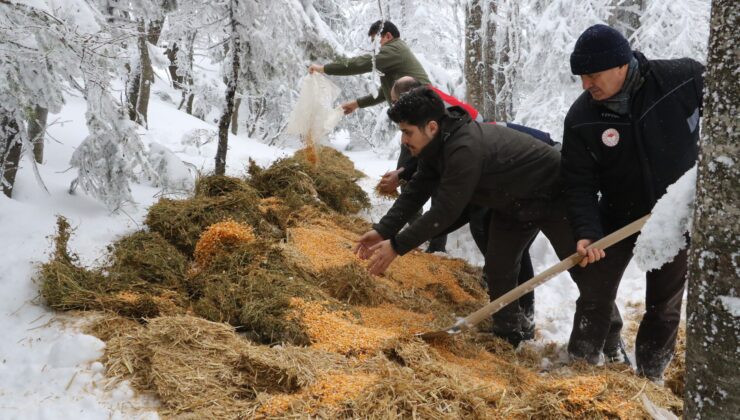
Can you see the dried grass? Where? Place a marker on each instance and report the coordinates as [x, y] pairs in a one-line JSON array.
[[204, 369], [146, 256], [129, 286], [181, 222], [584, 391], [298, 181]]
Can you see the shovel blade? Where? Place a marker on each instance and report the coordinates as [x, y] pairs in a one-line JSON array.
[[439, 335]]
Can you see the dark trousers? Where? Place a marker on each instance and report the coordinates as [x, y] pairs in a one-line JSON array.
[[507, 241], [597, 323], [480, 219]]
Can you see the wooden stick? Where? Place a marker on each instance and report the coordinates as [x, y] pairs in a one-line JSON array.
[[526, 287]]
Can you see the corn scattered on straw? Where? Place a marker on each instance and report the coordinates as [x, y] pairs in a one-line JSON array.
[[219, 237], [335, 332]]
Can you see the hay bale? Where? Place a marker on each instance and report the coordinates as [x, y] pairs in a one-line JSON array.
[[65, 285], [275, 211], [333, 160], [146, 256], [201, 369], [585, 391], [220, 185], [181, 222], [251, 288], [297, 181], [128, 288], [286, 179], [220, 238], [402, 392]]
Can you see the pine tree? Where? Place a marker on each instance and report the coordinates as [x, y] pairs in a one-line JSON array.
[[713, 310]]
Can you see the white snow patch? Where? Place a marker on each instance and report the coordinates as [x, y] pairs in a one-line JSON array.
[[732, 304], [74, 350], [662, 236]]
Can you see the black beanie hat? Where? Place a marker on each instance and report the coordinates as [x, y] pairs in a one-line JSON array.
[[599, 48]]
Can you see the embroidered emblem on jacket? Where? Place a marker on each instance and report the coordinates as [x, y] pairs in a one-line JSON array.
[[610, 137]]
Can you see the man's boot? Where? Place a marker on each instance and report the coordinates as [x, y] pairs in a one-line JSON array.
[[616, 353]]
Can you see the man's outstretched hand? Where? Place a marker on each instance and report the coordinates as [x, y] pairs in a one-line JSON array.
[[589, 255], [380, 252], [313, 68], [390, 181], [367, 241], [383, 255], [350, 107]]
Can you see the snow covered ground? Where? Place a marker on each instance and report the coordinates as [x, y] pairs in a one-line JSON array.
[[48, 369]]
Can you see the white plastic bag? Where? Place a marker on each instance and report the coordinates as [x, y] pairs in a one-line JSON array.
[[314, 115]]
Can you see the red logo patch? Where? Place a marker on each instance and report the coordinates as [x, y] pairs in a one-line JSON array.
[[610, 137]]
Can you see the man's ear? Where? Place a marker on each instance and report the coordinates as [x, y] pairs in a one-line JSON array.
[[432, 128]]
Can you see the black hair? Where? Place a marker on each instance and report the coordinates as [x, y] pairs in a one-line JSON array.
[[383, 27], [405, 84], [417, 107]]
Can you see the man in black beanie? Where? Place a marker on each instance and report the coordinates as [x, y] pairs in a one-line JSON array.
[[627, 138]]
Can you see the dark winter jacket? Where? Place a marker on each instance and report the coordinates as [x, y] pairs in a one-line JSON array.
[[468, 162], [393, 61], [631, 159], [409, 167]]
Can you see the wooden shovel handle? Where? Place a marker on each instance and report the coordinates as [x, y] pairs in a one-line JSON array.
[[526, 287]]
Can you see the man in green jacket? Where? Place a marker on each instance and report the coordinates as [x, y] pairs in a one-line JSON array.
[[393, 61]]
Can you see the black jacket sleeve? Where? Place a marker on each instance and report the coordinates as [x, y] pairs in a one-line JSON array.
[[579, 172], [409, 169], [463, 167], [412, 198]]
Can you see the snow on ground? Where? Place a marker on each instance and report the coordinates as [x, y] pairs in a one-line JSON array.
[[48, 369]]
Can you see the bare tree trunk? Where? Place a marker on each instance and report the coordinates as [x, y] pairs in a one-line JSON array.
[[154, 31], [10, 150], [626, 16], [713, 310], [36, 129], [171, 54], [223, 123], [132, 89], [488, 60], [504, 66], [147, 74], [235, 116], [473, 65], [187, 81], [480, 54]]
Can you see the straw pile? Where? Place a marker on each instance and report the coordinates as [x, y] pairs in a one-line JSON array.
[[296, 180], [216, 199], [247, 301]]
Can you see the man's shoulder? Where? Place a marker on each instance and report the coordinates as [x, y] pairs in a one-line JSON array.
[[396, 44], [675, 69]]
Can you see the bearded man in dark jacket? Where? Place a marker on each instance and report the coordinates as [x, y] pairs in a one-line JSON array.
[[627, 138], [466, 163]]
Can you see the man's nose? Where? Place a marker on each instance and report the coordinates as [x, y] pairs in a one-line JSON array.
[[586, 83]]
